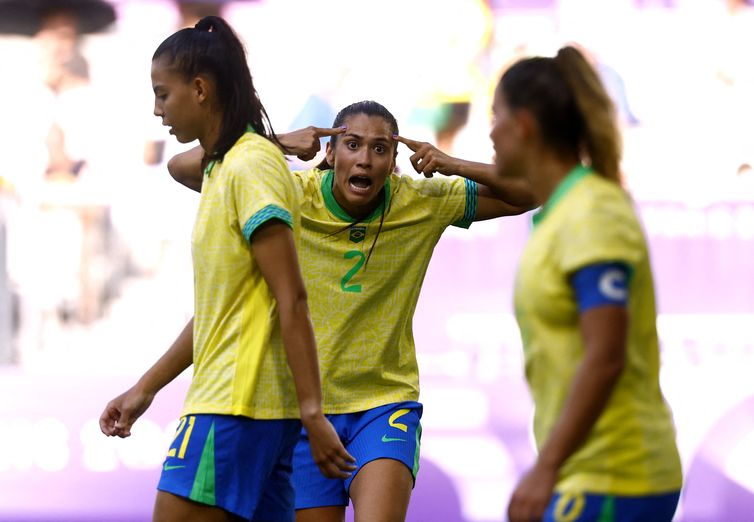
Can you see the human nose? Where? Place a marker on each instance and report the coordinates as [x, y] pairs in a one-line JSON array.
[[157, 111], [364, 157]]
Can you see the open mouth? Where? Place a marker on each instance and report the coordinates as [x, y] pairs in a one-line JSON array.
[[359, 184]]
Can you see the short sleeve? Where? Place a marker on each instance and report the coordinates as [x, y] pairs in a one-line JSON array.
[[470, 202], [452, 200], [262, 187], [605, 229]]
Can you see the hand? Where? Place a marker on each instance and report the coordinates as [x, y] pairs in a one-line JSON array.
[[328, 452], [532, 494], [121, 412], [304, 143], [428, 159]]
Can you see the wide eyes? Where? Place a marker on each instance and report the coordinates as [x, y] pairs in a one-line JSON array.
[[354, 145]]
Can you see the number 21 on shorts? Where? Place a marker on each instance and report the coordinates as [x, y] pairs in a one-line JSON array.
[[185, 427]]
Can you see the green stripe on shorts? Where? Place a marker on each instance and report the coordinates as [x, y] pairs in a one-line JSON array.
[[607, 513], [203, 489], [415, 470]]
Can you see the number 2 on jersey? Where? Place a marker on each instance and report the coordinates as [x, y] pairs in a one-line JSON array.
[[352, 272]]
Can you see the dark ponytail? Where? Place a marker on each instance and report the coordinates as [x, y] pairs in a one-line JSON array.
[[211, 47]]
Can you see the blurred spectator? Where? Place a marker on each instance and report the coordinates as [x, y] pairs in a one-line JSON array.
[[736, 74], [454, 65], [57, 226]]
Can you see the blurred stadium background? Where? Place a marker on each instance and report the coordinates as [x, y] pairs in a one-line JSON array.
[[95, 272]]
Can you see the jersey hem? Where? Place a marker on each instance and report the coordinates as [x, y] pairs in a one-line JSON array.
[[606, 485]]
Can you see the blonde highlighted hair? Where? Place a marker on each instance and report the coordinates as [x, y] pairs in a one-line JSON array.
[[575, 114]]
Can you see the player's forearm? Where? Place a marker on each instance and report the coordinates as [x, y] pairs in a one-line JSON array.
[[173, 362], [591, 389], [186, 168], [482, 173], [301, 353], [514, 192]]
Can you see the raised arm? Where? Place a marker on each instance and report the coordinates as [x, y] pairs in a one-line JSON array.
[[186, 167], [497, 196], [304, 143], [275, 252], [604, 330], [121, 412]]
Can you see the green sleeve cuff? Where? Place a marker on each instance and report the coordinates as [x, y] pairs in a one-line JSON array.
[[267, 213], [469, 213]]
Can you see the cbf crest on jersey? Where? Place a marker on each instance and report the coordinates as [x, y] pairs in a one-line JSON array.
[[357, 234]]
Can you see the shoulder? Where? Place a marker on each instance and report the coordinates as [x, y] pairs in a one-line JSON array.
[[254, 159], [599, 198], [415, 187], [310, 180], [252, 148], [600, 217]]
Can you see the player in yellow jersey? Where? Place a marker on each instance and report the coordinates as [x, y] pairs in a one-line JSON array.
[[367, 236], [584, 302], [251, 341]]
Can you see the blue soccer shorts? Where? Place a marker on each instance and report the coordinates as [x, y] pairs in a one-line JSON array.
[[235, 463], [586, 507], [392, 431]]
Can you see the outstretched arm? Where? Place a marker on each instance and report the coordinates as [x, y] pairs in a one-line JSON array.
[[121, 412], [497, 196], [275, 252], [186, 167]]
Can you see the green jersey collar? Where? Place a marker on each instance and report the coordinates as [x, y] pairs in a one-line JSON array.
[[334, 207], [566, 184], [211, 163]]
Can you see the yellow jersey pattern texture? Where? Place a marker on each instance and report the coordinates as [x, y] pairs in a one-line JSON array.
[[240, 366], [631, 449], [362, 304]]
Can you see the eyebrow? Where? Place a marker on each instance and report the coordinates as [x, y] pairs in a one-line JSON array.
[[360, 137]]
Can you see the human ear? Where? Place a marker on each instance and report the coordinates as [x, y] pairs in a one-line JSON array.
[[202, 87], [330, 153], [526, 124]]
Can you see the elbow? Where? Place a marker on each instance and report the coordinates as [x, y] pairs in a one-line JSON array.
[[613, 367], [294, 305], [175, 171]]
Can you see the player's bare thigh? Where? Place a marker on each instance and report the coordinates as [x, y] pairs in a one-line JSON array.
[[172, 508]]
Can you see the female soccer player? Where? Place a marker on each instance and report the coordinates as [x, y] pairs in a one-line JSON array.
[[584, 302], [367, 239], [231, 456]]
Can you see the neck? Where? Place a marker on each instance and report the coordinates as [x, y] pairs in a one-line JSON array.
[[548, 172], [211, 134], [359, 212]]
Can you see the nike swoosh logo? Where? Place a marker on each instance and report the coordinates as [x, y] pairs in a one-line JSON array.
[[385, 438], [168, 468]]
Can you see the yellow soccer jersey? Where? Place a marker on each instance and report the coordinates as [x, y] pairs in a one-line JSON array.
[[239, 364], [631, 449], [362, 310]]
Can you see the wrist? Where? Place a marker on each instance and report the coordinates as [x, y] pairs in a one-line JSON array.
[[144, 386], [546, 462], [311, 412]]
